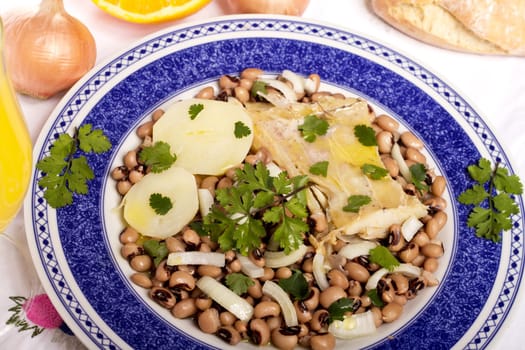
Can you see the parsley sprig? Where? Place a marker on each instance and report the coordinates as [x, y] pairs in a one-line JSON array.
[[65, 170], [157, 157], [259, 201], [492, 199]]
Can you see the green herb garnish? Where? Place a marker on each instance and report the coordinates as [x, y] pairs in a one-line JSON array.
[[365, 134], [313, 127], [157, 157], [295, 285], [194, 110], [258, 199], [160, 204], [319, 168], [492, 198], [241, 130], [375, 298], [374, 172], [258, 86], [355, 203], [419, 174], [156, 249], [239, 283], [65, 171], [339, 308], [383, 257]]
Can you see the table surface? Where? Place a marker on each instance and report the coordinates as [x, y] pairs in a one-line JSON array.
[[491, 84]]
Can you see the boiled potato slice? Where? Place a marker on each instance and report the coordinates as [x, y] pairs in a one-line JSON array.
[[202, 134], [179, 186]]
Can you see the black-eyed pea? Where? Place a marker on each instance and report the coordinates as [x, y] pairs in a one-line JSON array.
[[146, 129], [209, 321], [202, 302], [435, 203], [235, 266], [432, 250], [434, 225], [283, 272], [307, 265], [274, 322], [387, 123], [162, 272], [282, 340], [321, 224], [242, 94], [228, 82], [227, 318], [129, 235], [259, 331], [184, 308], [366, 301], [323, 341], [320, 320], [438, 186], [431, 264], [182, 280], [246, 83], [416, 156], [410, 140], [255, 290], [421, 238], [418, 260], [207, 93], [266, 309], [141, 263], [378, 316], [391, 312], [385, 141], [136, 174], [123, 186], [175, 244], [209, 183], [400, 299], [242, 328], [312, 301], [331, 294], [354, 288], [157, 114], [399, 283], [209, 270], [390, 165], [257, 257], [303, 314], [131, 160], [409, 253], [141, 280], [251, 73], [120, 173], [357, 272], [229, 334], [225, 182], [316, 82], [191, 238], [163, 297], [396, 241], [337, 277]]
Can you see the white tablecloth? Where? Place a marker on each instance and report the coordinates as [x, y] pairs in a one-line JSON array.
[[495, 86]]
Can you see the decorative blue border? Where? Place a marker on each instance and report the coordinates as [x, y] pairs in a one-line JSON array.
[[41, 230]]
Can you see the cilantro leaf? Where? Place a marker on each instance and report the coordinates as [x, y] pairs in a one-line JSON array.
[[355, 203], [160, 204], [158, 156], [492, 199], [92, 140], [319, 168], [258, 86], [419, 174], [295, 285], [64, 171], [339, 308], [239, 283], [375, 298], [313, 127], [374, 172], [241, 130], [365, 134], [383, 257], [156, 250], [194, 110]]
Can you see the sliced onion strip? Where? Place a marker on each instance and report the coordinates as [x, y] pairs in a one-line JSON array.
[[205, 201], [410, 227], [356, 325], [196, 258], [226, 298], [319, 271], [281, 297], [249, 268], [403, 167], [296, 80], [280, 259], [287, 91], [406, 269], [353, 250]]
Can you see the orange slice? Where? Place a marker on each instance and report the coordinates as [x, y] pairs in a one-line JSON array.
[[150, 11]]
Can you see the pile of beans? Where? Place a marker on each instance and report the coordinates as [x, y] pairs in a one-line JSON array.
[[174, 287]]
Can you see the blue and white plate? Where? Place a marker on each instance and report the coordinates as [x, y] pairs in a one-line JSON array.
[[76, 248]]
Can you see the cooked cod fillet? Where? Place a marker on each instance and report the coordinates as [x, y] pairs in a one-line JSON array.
[[276, 129]]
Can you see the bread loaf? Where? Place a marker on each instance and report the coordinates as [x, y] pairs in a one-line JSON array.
[[480, 26]]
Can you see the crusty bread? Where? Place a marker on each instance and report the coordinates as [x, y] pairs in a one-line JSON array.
[[480, 26]]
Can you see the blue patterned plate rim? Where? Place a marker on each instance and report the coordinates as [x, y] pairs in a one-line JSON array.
[[125, 86]]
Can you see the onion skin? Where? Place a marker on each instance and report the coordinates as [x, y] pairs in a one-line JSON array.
[[47, 50], [279, 7]]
